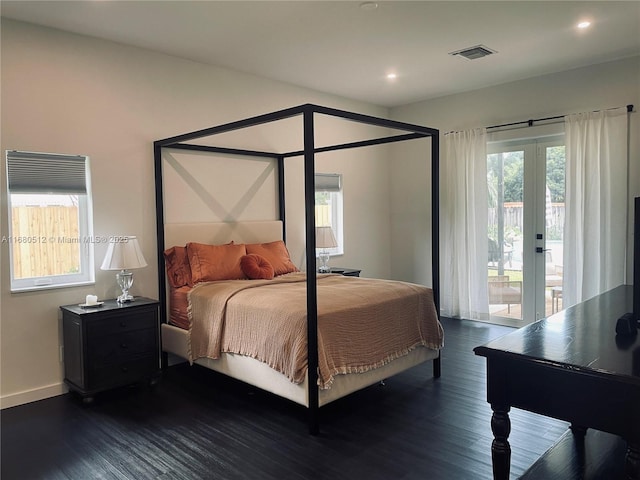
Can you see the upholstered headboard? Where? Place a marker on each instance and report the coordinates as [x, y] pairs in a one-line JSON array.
[[222, 232]]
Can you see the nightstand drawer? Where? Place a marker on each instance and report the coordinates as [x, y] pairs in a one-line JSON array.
[[123, 346], [122, 322], [122, 373]]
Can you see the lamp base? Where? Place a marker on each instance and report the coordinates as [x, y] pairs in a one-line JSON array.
[[125, 280], [324, 262], [125, 298]]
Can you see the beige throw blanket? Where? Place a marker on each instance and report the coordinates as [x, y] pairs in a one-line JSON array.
[[362, 323]]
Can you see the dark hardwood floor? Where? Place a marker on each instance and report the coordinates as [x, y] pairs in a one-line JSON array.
[[196, 424], [597, 456]]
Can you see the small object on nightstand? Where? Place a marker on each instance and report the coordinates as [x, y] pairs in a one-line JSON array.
[[91, 300], [347, 272], [111, 346], [91, 305]]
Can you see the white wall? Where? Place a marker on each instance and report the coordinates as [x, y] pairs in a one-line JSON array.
[[71, 94], [608, 85]]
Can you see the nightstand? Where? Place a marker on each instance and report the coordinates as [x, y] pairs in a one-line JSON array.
[[347, 272], [110, 346]]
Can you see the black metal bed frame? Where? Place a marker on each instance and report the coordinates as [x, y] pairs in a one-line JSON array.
[[307, 112]]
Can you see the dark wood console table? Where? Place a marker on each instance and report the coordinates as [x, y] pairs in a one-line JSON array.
[[570, 366]]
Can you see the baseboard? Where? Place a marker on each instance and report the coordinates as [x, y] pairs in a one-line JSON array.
[[28, 396]]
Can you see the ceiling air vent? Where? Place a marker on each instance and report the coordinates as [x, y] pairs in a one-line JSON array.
[[473, 53]]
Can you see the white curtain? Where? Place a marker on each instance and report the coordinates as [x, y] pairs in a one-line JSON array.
[[596, 203], [464, 217]]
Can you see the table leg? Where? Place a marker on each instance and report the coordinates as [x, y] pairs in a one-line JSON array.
[[500, 448], [578, 430], [632, 464]]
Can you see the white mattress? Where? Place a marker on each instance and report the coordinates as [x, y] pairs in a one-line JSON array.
[[249, 370]]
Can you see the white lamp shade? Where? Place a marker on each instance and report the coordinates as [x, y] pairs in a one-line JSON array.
[[124, 254], [325, 238]]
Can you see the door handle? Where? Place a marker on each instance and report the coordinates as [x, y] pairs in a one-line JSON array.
[[542, 250]]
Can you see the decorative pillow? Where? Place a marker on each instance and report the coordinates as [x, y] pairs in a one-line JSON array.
[[256, 267], [276, 254], [178, 269], [215, 262]]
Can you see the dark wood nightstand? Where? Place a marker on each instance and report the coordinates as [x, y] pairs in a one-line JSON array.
[[111, 345], [347, 272]]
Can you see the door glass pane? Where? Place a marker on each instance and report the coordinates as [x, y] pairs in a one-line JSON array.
[[505, 178], [554, 228]]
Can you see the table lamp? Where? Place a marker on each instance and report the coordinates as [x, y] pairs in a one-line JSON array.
[[325, 239], [124, 254]]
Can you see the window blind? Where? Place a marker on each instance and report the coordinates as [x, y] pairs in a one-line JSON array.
[[328, 182], [29, 172]]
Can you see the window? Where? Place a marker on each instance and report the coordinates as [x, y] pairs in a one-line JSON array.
[[50, 220], [328, 188]]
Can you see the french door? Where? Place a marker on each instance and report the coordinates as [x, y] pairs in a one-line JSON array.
[[525, 230]]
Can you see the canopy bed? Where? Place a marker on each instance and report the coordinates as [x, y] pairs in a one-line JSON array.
[[319, 377]]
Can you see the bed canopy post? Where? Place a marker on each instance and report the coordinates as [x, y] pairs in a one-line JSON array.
[[435, 236], [312, 299], [435, 219], [281, 199], [162, 287]]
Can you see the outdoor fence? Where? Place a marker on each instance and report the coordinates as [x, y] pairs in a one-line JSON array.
[[45, 241], [513, 213], [323, 215]]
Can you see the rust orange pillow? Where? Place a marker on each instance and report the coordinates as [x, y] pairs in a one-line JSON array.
[[256, 267], [215, 262], [177, 266], [276, 254], [178, 307]]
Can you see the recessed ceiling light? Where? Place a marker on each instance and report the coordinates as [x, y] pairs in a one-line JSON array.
[[368, 5], [392, 76], [584, 24]]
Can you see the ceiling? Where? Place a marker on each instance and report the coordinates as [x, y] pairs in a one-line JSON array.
[[341, 48]]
